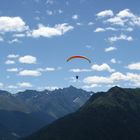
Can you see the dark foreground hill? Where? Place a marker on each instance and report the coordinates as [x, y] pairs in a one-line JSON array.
[[25, 112], [112, 115]]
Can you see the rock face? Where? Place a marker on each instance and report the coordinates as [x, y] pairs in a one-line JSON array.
[[25, 112], [111, 115]]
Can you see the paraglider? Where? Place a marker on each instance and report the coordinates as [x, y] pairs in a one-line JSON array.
[[78, 57], [81, 57]]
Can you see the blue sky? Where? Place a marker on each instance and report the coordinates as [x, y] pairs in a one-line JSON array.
[[37, 36]]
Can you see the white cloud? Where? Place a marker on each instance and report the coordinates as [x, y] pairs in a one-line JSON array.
[[97, 80], [135, 21], [75, 17], [133, 78], [105, 13], [1, 39], [80, 70], [12, 70], [114, 78], [57, 30], [103, 67], [125, 13], [60, 11], [28, 59], [25, 85], [1, 85], [116, 21], [12, 24], [88, 46], [19, 35], [49, 12], [14, 41], [90, 86], [134, 66], [9, 62], [49, 69], [10, 56], [51, 88], [91, 23], [30, 73], [111, 29], [125, 21], [109, 49], [129, 29], [117, 76], [125, 17], [46, 69], [12, 87], [99, 30], [113, 60], [79, 24], [52, 12], [121, 37]]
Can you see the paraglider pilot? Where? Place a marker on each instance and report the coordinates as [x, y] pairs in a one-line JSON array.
[[77, 76]]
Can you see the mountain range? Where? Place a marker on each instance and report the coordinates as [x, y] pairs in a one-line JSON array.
[[25, 112], [111, 115]]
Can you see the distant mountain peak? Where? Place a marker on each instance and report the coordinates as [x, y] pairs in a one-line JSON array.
[[115, 89], [2, 92], [72, 87]]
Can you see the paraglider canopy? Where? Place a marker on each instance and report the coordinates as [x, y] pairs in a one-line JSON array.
[[81, 57]]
